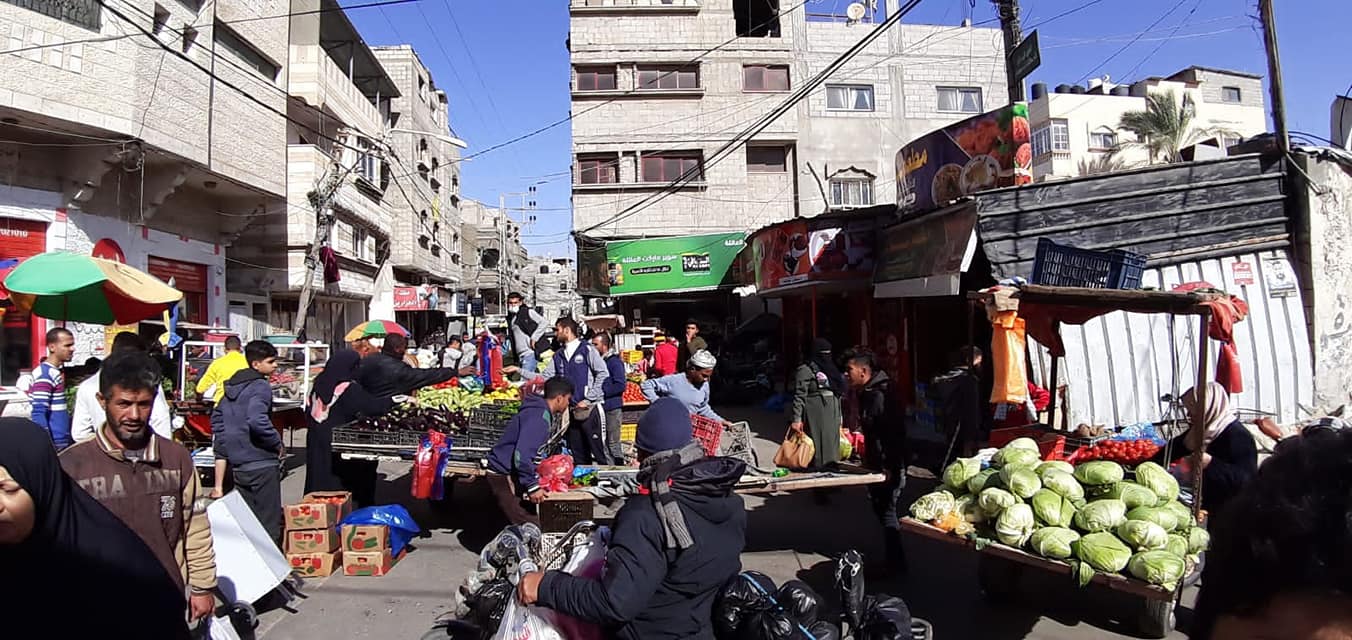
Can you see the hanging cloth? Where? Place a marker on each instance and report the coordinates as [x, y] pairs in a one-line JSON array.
[[1008, 346], [1225, 312], [329, 258]]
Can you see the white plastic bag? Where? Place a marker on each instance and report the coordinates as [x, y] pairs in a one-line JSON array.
[[520, 622]]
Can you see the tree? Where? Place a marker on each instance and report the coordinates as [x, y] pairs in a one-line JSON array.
[[1108, 162], [1165, 127]]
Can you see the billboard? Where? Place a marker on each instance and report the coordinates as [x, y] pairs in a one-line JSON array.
[[800, 251], [648, 265], [988, 151]]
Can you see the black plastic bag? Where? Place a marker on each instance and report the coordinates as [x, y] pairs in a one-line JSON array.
[[850, 587], [738, 599], [489, 602], [800, 601], [823, 630], [770, 624], [885, 618]]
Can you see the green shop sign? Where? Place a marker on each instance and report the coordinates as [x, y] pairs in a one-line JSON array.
[[685, 263]]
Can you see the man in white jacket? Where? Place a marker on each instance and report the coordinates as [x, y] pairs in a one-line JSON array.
[[88, 414]]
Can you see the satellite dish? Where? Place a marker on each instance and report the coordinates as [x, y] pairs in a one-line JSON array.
[[855, 12]]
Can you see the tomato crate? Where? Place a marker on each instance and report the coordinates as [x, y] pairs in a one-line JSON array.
[[708, 431]]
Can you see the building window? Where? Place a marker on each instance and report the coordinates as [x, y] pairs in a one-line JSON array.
[[1060, 135], [360, 244], [1231, 94], [671, 166], [849, 97], [1053, 136], [597, 169], [663, 78], [367, 164], [1102, 139], [960, 99], [766, 159], [756, 18], [1228, 141], [851, 192], [758, 77], [231, 42], [594, 79]]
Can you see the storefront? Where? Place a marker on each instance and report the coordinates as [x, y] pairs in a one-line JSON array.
[[188, 277], [422, 310], [31, 222]]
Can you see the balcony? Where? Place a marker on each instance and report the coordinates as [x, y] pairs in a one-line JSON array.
[[306, 166], [646, 6], [322, 84]]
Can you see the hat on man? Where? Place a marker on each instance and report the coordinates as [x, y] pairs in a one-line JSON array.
[[703, 360], [664, 426]]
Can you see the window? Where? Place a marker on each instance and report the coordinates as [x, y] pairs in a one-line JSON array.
[[665, 77], [851, 192], [597, 170], [960, 99], [756, 18], [1231, 94], [766, 159], [1228, 141], [1103, 138], [594, 79], [544, 270], [765, 78], [367, 164], [360, 249], [851, 97], [231, 42], [1060, 135], [1053, 136], [671, 166]]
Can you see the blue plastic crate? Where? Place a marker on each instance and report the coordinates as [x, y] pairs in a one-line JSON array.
[[1062, 265]]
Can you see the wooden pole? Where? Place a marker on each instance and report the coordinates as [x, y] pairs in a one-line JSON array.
[[1051, 379], [1274, 75], [1197, 433], [1009, 24]]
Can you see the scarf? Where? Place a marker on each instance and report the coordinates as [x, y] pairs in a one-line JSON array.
[[339, 372], [821, 359], [654, 474], [1216, 415]]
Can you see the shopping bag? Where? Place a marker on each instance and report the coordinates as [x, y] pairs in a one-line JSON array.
[[429, 466], [796, 452], [846, 445]]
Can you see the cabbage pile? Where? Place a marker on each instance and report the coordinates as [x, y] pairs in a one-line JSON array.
[[1097, 516]]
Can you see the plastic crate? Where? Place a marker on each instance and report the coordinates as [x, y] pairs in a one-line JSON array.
[[708, 431], [356, 436], [1066, 266], [489, 417], [628, 431]]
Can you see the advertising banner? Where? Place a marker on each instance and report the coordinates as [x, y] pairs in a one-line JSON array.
[[407, 299], [983, 152], [932, 246], [648, 265], [800, 251]]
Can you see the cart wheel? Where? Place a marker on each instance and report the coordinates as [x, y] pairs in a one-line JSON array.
[[1157, 619], [999, 578], [243, 616]]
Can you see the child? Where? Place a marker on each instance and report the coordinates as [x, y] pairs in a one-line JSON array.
[[244, 436]]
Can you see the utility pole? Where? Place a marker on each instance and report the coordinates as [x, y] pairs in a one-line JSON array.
[[320, 199], [1009, 23], [1274, 75]]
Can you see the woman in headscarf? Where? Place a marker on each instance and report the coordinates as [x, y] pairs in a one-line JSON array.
[[1230, 457], [68, 562], [818, 385], [335, 400]]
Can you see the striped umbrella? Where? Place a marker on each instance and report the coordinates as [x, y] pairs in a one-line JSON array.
[[375, 329], [68, 286]]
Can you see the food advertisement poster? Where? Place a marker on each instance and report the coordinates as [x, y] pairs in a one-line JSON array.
[[649, 265], [983, 152], [801, 251], [931, 246]]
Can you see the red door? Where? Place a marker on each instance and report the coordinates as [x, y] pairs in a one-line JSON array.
[[22, 339], [188, 277]]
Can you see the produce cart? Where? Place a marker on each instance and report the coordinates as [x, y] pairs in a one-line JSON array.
[[1044, 309]]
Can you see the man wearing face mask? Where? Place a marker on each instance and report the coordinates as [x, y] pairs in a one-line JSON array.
[[526, 327], [462, 356]]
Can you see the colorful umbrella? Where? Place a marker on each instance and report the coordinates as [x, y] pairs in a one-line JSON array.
[[79, 288], [375, 329]]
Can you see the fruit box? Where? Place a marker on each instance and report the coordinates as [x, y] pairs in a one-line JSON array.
[[318, 510], [315, 565], [369, 563], [366, 537], [311, 541]]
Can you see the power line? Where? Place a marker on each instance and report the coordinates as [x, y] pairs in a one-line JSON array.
[[1063, 14], [1157, 48], [474, 66], [1126, 46]]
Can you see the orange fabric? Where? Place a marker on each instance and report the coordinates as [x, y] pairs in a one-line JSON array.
[[1224, 314], [1008, 343]]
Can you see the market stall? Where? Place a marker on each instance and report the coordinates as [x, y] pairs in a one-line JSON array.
[[1091, 505]]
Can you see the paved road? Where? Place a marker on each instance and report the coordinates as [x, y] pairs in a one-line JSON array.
[[791, 536]]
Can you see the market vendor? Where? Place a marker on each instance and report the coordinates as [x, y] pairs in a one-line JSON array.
[[462, 356], [211, 385], [1230, 457], [669, 554], [883, 423], [513, 459], [386, 374], [585, 367], [337, 399], [691, 387]]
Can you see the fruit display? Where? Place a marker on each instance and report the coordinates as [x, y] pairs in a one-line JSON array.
[[503, 394], [633, 394], [1128, 452]]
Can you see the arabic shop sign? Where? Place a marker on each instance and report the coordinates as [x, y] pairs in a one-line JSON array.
[[685, 263], [81, 13]]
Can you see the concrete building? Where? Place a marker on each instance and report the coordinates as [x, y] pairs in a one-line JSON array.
[[145, 132], [1340, 122], [495, 255], [644, 116], [551, 285], [1074, 128]]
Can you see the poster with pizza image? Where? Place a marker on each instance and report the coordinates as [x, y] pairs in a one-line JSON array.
[[781, 255], [983, 152]]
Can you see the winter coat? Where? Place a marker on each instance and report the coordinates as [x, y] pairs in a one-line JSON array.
[[518, 451], [241, 424], [615, 382], [1234, 463], [818, 408], [883, 423]]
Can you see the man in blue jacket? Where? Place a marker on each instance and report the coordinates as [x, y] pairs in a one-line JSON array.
[[671, 550], [513, 459], [243, 434], [612, 388]]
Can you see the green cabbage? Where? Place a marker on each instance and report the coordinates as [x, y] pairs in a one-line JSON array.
[[1028, 444], [1158, 567], [1053, 542], [1016, 457], [1101, 515], [1055, 465], [1015, 524], [932, 505], [970, 510], [1063, 483], [1158, 515], [1181, 512], [1198, 540], [1143, 535], [1134, 495], [981, 479], [1157, 479], [1099, 472], [993, 501], [1051, 509], [958, 473], [1176, 544], [1103, 551], [1021, 481]]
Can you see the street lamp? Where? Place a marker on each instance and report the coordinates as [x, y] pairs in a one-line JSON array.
[[451, 140]]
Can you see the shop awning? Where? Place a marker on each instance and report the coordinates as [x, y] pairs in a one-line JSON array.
[[926, 256], [680, 264], [832, 251]]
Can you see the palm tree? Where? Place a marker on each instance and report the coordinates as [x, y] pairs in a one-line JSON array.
[[1165, 127], [1108, 162]]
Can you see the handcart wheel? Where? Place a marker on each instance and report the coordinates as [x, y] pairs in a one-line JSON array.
[[243, 615], [1157, 619], [998, 578]]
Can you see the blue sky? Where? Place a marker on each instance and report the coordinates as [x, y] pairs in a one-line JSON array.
[[505, 69]]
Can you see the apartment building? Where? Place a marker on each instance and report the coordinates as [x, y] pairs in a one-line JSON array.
[[145, 132], [551, 285], [496, 257], [1074, 128], [644, 115]]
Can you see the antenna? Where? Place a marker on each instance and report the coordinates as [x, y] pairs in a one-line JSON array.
[[855, 12]]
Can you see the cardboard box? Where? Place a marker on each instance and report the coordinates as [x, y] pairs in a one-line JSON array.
[[311, 541], [312, 512], [366, 537], [315, 565], [368, 563]]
